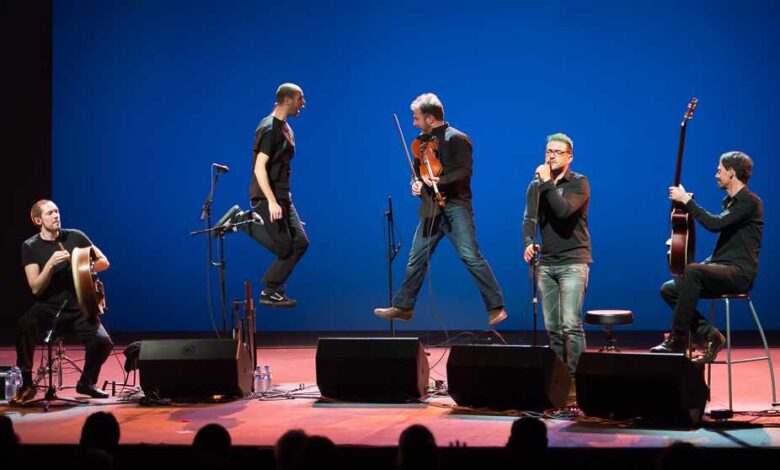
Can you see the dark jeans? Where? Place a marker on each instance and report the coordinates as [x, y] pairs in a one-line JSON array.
[[701, 280], [285, 238], [33, 325], [457, 223]]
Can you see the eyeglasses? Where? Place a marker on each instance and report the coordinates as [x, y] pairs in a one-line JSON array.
[[557, 153]]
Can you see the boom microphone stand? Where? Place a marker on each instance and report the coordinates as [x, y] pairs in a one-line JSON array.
[[230, 222]]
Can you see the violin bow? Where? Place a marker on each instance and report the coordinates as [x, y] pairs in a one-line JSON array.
[[406, 149]]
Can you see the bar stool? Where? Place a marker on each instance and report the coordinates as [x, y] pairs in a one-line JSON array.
[[767, 357], [608, 319]]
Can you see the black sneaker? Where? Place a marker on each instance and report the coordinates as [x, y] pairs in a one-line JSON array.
[[276, 299]]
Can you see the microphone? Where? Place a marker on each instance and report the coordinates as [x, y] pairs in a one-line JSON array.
[[254, 215], [537, 178], [220, 168], [229, 216]]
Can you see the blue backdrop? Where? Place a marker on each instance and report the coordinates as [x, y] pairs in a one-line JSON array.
[[148, 94]]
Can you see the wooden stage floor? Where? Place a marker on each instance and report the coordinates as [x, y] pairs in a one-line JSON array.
[[260, 422]]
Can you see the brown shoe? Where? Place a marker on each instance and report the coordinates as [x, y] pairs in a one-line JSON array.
[[496, 316], [712, 347], [394, 313], [24, 394]]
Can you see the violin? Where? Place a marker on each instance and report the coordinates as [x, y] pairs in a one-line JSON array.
[[425, 150]]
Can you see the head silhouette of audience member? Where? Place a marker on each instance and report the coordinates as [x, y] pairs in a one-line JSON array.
[[9, 441], [212, 446], [288, 448], [528, 439], [319, 452], [679, 455], [100, 431], [417, 449]]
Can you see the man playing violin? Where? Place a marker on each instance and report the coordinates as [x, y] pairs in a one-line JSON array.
[[733, 265], [558, 199], [455, 219], [46, 260]]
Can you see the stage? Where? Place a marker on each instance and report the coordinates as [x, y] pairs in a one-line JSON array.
[[260, 422]]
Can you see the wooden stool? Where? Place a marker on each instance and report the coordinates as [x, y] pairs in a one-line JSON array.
[[608, 319]]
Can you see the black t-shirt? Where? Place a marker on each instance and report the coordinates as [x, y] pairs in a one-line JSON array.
[[36, 250], [274, 138]]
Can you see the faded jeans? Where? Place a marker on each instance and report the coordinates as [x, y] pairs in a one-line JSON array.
[[562, 288]]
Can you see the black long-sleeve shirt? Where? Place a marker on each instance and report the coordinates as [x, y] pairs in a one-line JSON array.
[[561, 213], [456, 162], [740, 224]]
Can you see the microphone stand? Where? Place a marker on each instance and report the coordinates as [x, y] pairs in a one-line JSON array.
[[534, 269], [391, 251], [206, 216], [220, 231]]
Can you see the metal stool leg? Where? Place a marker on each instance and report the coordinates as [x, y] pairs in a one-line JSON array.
[[61, 361], [728, 349], [709, 366], [766, 351]]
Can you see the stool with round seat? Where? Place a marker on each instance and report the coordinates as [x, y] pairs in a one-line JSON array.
[[729, 361], [608, 319]]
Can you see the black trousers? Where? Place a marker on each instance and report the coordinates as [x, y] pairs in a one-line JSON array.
[[285, 238], [34, 324], [701, 280]]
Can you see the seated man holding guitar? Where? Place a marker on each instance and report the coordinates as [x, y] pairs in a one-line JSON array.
[[731, 268], [46, 258]]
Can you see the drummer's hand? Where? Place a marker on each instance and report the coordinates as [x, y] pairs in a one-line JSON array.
[[58, 257]]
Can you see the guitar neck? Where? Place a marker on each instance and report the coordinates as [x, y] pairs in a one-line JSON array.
[[680, 148]]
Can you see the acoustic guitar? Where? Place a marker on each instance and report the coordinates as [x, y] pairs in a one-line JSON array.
[[682, 244]]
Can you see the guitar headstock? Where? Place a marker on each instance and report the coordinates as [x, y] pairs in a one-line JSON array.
[[689, 112]]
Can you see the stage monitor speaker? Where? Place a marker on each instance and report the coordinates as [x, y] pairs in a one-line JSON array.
[[507, 377], [663, 389], [195, 368], [372, 370]]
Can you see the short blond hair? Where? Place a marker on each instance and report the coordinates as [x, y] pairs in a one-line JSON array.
[[561, 137], [428, 103]]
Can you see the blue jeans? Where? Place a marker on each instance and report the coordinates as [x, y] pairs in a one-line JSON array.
[[562, 288], [457, 222]]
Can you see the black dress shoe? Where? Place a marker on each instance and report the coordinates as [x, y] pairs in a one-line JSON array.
[[672, 344], [712, 347], [90, 390]]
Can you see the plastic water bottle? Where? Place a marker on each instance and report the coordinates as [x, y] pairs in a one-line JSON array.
[[267, 377], [262, 379], [12, 378]]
